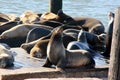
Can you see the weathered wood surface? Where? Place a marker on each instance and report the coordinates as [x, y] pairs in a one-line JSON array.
[[26, 67], [114, 69], [67, 79], [55, 5]]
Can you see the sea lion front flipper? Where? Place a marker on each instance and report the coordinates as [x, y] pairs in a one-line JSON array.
[[61, 66], [47, 63]]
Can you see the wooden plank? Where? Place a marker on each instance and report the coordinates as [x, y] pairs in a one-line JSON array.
[[55, 5], [114, 69], [26, 67]]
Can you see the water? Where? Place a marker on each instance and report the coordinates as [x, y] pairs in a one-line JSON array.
[[90, 8]]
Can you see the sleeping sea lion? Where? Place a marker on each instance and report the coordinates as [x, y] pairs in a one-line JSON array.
[[89, 24], [21, 30], [36, 33], [40, 48]]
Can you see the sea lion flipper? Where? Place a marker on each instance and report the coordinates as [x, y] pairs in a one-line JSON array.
[[47, 63], [61, 65]]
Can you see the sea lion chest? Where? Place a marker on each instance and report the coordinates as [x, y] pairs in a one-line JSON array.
[[55, 52]]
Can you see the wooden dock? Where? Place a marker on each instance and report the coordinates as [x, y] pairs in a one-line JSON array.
[[26, 67]]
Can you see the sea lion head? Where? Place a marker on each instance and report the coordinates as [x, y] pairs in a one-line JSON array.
[[100, 42], [36, 53], [111, 15]]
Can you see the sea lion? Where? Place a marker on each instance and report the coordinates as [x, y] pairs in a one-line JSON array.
[[81, 42], [71, 32], [3, 18], [51, 23], [7, 25], [13, 17], [6, 57], [30, 45], [62, 58], [36, 33], [20, 30], [5, 45], [49, 16], [96, 42], [14, 42], [89, 24], [39, 49], [86, 40], [29, 17], [111, 16]]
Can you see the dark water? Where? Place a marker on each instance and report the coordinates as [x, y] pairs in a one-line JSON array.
[[91, 8]]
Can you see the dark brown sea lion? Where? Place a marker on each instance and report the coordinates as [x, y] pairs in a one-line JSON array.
[[7, 25], [3, 18], [62, 58], [37, 33], [16, 35], [109, 34], [81, 42], [89, 24], [95, 42], [30, 45], [72, 32]]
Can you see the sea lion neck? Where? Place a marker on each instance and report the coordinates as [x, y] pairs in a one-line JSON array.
[[57, 34], [82, 36]]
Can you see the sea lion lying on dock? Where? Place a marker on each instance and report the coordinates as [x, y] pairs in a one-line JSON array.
[[40, 48], [89, 24], [7, 25], [21, 30], [29, 17], [62, 58], [37, 33], [16, 35], [3, 18], [86, 39], [6, 57]]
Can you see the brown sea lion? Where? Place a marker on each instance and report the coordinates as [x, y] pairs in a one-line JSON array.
[[3, 18], [49, 16], [29, 17], [21, 30], [39, 49], [62, 58], [89, 24]]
